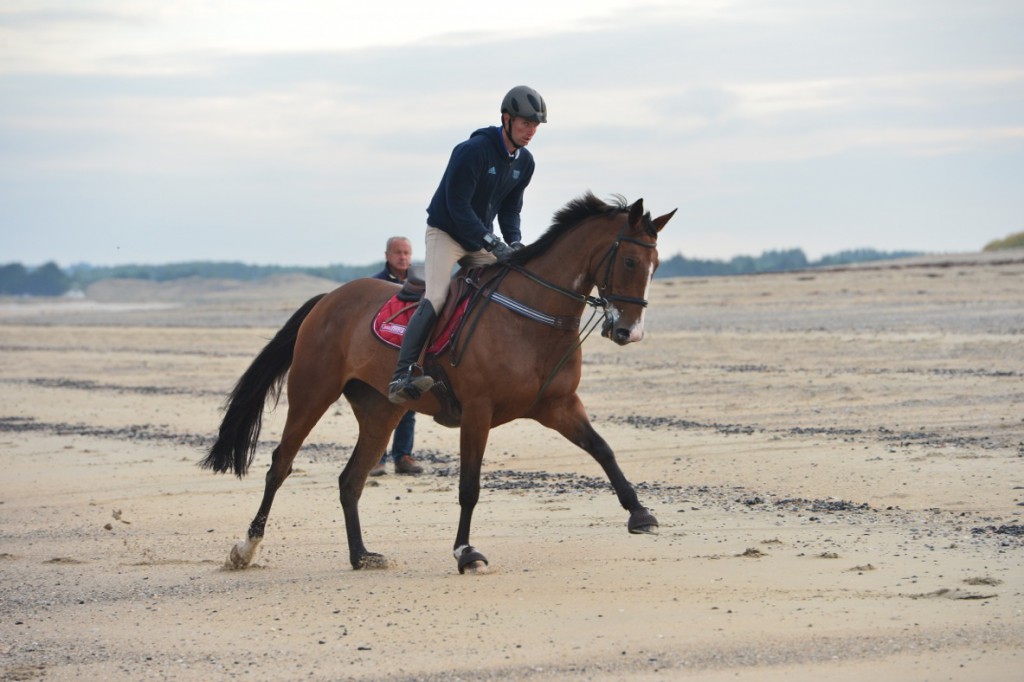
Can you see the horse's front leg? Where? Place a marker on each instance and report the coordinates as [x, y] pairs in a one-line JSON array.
[[473, 441], [350, 488], [377, 419], [570, 419]]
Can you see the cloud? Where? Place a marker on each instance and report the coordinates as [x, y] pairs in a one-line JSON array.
[[138, 121]]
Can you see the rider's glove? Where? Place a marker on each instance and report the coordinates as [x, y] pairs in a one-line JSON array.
[[500, 249]]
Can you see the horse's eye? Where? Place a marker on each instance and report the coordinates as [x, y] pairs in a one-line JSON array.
[[630, 263]]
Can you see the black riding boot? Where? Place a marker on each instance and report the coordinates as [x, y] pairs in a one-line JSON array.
[[404, 386]]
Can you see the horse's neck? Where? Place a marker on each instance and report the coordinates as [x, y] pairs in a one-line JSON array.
[[569, 265]]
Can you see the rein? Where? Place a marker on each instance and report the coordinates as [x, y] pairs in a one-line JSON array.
[[593, 301]]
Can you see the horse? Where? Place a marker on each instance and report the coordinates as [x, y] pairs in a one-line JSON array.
[[518, 359]]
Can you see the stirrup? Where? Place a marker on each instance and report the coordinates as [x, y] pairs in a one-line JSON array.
[[408, 387]]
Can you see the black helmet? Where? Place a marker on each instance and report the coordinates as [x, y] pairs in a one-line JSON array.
[[526, 102]]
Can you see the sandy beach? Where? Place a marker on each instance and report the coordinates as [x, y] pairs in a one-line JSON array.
[[836, 459]]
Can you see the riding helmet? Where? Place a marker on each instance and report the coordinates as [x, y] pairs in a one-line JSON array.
[[526, 102]]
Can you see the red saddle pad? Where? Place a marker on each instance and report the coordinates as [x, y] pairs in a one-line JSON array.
[[391, 320]]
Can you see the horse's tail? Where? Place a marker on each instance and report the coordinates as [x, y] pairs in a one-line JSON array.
[[243, 411]]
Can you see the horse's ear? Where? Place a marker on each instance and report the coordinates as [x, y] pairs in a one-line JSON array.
[[636, 214], [660, 222]]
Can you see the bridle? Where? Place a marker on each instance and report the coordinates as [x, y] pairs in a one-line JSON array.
[[610, 257]]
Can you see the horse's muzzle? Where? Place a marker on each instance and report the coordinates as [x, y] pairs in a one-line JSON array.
[[620, 335], [614, 329]]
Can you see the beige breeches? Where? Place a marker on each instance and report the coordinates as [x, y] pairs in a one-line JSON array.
[[443, 253]]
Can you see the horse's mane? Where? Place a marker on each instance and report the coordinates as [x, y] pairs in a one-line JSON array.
[[567, 217]]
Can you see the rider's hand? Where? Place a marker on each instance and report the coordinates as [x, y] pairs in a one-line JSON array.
[[502, 251]]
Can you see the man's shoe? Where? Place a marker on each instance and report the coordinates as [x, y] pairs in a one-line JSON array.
[[408, 387], [407, 465], [378, 470]]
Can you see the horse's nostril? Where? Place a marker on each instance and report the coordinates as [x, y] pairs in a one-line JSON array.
[[621, 335]]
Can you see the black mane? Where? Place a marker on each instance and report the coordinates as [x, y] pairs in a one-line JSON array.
[[569, 216]]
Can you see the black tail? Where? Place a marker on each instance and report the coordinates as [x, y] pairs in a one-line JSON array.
[[243, 411]]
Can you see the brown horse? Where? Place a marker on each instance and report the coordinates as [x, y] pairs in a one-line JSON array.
[[518, 356]]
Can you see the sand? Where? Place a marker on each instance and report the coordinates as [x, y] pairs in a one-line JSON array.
[[835, 459]]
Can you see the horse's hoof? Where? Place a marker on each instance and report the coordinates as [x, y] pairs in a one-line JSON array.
[[470, 559], [642, 521], [241, 555], [370, 560]]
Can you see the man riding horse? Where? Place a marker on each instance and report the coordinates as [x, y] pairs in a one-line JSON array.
[[485, 178]]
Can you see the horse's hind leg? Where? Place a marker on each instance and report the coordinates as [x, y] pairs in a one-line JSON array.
[[306, 407], [242, 553], [570, 419]]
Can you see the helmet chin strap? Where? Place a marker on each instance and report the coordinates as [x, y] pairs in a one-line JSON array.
[[508, 134]]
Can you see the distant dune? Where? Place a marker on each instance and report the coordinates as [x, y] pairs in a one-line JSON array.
[[294, 288]]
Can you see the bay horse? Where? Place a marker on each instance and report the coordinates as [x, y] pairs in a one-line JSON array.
[[516, 364]]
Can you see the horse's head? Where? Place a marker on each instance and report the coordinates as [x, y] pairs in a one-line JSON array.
[[624, 274], [620, 263]]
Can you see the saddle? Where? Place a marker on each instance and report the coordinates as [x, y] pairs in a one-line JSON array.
[[391, 320], [393, 317]]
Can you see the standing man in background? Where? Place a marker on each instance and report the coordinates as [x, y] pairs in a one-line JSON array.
[[398, 258]]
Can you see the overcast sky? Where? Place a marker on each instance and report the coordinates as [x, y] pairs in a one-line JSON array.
[[306, 132]]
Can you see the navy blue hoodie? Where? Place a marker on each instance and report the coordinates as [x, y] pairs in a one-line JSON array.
[[480, 183]]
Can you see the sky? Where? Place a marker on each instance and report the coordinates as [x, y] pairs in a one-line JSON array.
[[307, 132]]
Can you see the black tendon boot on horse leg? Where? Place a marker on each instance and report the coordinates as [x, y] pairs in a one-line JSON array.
[[404, 386]]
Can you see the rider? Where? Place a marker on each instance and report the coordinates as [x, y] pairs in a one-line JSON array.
[[485, 178]]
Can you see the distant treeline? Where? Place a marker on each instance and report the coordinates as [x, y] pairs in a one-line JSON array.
[[47, 280], [769, 261], [51, 280], [84, 275]]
